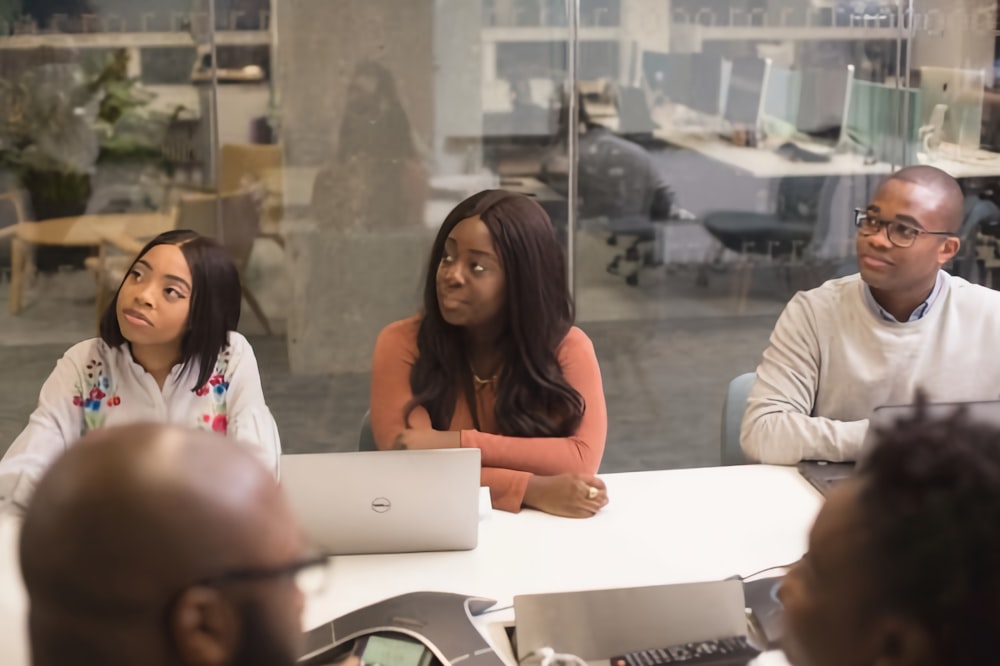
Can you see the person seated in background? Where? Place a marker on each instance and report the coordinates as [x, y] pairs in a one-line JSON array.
[[376, 152], [494, 362], [869, 339], [903, 566], [168, 352], [617, 179], [152, 544]]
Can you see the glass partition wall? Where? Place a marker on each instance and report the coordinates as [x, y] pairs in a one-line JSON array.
[[700, 161]]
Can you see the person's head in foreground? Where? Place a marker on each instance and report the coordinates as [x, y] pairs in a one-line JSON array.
[[903, 565], [158, 545], [907, 233]]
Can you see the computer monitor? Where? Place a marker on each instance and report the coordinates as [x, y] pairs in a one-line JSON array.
[[884, 121], [668, 74], [633, 112], [745, 96], [706, 84], [824, 100], [782, 94], [962, 91]]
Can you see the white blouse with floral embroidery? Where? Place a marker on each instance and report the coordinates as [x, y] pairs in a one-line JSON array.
[[94, 385]]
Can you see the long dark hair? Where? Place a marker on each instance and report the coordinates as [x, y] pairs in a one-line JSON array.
[[533, 397], [216, 297]]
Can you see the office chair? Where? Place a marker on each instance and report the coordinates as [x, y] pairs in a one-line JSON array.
[[233, 219], [643, 231], [732, 418], [790, 236], [981, 216]]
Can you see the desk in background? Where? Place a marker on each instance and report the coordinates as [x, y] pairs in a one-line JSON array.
[[763, 162], [972, 164]]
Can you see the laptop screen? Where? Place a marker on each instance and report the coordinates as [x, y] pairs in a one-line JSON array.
[[986, 411]]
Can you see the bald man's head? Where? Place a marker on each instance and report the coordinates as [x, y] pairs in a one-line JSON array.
[[129, 519], [910, 233], [948, 198]]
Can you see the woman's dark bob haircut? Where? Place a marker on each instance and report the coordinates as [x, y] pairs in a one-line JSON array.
[[216, 297]]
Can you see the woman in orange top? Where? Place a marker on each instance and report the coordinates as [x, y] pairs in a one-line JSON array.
[[494, 362]]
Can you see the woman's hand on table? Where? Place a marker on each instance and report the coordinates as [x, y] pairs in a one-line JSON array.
[[568, 495]]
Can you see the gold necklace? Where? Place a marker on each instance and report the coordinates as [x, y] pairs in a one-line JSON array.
[[479, 381], [482, 382]]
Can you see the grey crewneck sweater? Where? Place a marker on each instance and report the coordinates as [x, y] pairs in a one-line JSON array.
[[831, 361]]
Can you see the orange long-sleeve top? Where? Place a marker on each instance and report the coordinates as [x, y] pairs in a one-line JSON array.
[[508, 462]]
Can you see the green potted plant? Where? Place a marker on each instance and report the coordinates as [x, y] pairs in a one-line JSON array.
[[60, 122]]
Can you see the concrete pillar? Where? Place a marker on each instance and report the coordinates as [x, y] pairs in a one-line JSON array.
[[356, 251]]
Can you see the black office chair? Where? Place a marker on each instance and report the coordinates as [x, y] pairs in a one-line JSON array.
[[646, 248], [981, 219], [617, 200], [642, 231], [785, 238]]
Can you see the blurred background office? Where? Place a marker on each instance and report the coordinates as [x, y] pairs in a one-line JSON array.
[[353, 126]]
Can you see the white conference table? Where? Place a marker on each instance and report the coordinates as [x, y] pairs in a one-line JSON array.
[[659, 528]]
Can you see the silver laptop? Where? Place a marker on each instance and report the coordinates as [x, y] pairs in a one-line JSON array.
[[597, 625], [986, 411], [824, 476], [386, 501]]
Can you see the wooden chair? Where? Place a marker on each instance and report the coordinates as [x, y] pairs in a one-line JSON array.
[[241, 162], [234, 221], [18, 205], [243, 165]]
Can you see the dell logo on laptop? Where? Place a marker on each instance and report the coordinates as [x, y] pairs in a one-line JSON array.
[[381, 504]]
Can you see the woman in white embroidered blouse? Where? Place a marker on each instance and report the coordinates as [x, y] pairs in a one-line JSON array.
[[168, 352]]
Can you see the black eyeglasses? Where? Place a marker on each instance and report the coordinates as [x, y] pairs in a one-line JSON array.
[[311, 574], [899, 233]]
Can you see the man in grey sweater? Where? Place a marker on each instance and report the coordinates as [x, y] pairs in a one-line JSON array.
[[873, 338]]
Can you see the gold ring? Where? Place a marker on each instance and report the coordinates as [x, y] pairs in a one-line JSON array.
[[592, 493]]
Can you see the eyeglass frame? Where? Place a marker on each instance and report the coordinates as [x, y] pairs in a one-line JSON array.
[[253, 574], [861, 214]]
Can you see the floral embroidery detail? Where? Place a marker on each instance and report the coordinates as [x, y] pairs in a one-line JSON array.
[[94, 391], [217, 389], [219, 423]]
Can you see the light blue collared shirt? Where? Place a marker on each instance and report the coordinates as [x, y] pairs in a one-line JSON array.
[[920, 311]]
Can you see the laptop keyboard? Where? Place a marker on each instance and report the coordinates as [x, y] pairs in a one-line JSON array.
[[735, 651]]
